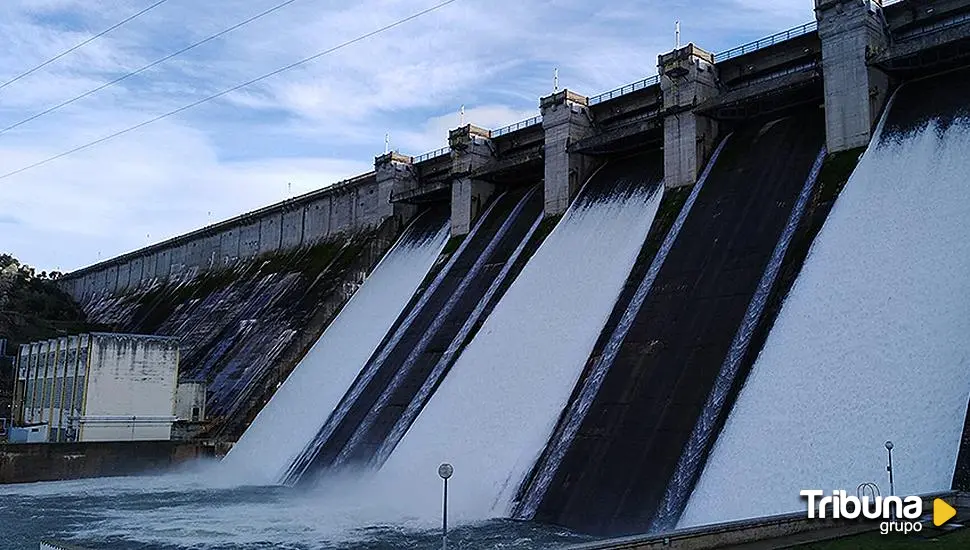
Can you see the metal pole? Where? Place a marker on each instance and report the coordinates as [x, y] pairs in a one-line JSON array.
[[444, 519], [892, 488], [445, 471]]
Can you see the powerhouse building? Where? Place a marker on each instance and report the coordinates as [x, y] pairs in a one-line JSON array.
[[98, 387]]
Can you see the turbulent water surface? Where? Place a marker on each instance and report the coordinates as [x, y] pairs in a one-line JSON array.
[[202, 509]]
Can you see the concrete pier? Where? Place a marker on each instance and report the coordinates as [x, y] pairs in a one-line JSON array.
[[393, 173], [851, 31], [471, 149], [565, 120], [687, 78]]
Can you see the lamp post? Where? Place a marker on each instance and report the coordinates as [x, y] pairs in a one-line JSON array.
[[445, 471], [889, 449]]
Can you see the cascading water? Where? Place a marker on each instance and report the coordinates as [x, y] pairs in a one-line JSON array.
[[646, 383], [311, 392], [493, 413], [380, 363], [441, 317], [698, 445], [577, 411], [424, 392], [871, 344]]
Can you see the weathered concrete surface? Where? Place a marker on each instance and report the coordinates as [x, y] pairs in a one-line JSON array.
[[243, 330], [58, 461], [854, 91], [687, 78], [471, 149], [355, 205], [565, 119]]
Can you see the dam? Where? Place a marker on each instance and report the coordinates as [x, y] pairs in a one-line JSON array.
[[607, 317]]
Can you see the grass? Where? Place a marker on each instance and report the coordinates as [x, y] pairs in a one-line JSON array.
[[928, 538]]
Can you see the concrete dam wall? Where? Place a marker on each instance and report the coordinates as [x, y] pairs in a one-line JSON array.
[[346, 207], [242, 328]]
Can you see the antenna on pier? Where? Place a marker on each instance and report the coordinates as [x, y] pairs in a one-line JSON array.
[[677, 34], [555, 80], [461, 116]]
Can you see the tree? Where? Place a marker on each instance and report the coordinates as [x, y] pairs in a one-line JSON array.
[[6, 260]]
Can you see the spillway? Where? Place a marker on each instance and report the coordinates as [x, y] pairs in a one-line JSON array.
[[871, 344], [312, 391], [609, 470], [401, 375], [494, 411]]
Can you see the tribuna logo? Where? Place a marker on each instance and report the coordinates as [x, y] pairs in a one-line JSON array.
[[897, 514]]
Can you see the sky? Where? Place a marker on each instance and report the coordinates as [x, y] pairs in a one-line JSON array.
[[301, 130]]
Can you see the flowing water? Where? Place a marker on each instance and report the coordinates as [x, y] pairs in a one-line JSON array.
[[303, 403], [203, 508], [871, 344]]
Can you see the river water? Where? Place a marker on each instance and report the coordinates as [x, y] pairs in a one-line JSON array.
[[201, 508]]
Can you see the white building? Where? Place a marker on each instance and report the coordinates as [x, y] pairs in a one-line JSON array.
[[190, 402], [99, 387]]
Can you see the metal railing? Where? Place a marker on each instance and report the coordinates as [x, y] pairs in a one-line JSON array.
[[623, 90], [767, 41], [517, 126], [655, 79], [936, 26], [431, 154]]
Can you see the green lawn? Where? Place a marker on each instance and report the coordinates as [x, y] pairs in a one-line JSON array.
[[928, 538]]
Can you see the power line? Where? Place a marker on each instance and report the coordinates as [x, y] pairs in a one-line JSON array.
[[82, 44], [173, 112], [146, 67]]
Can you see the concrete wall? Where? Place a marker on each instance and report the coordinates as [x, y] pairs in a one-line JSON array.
[[565, 120], [687, 78], [32, 462], [854, 92], [190, 401], [349, 206], [130, 392]]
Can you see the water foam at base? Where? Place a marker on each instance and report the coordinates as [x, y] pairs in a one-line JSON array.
[[201, 507], [871, 344]]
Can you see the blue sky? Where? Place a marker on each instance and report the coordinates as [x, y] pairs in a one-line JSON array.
[[309, 127]]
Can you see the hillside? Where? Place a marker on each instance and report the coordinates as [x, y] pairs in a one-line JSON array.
[[32, 307]]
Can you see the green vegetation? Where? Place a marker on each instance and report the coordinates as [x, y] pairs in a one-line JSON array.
[[157, 305], [545, 227], [670, 206], [835, 173], [940, 540], [32, 307]]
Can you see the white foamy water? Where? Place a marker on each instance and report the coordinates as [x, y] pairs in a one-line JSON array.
[[494, 411], [199, 507], [871, 345], [303, 403]]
